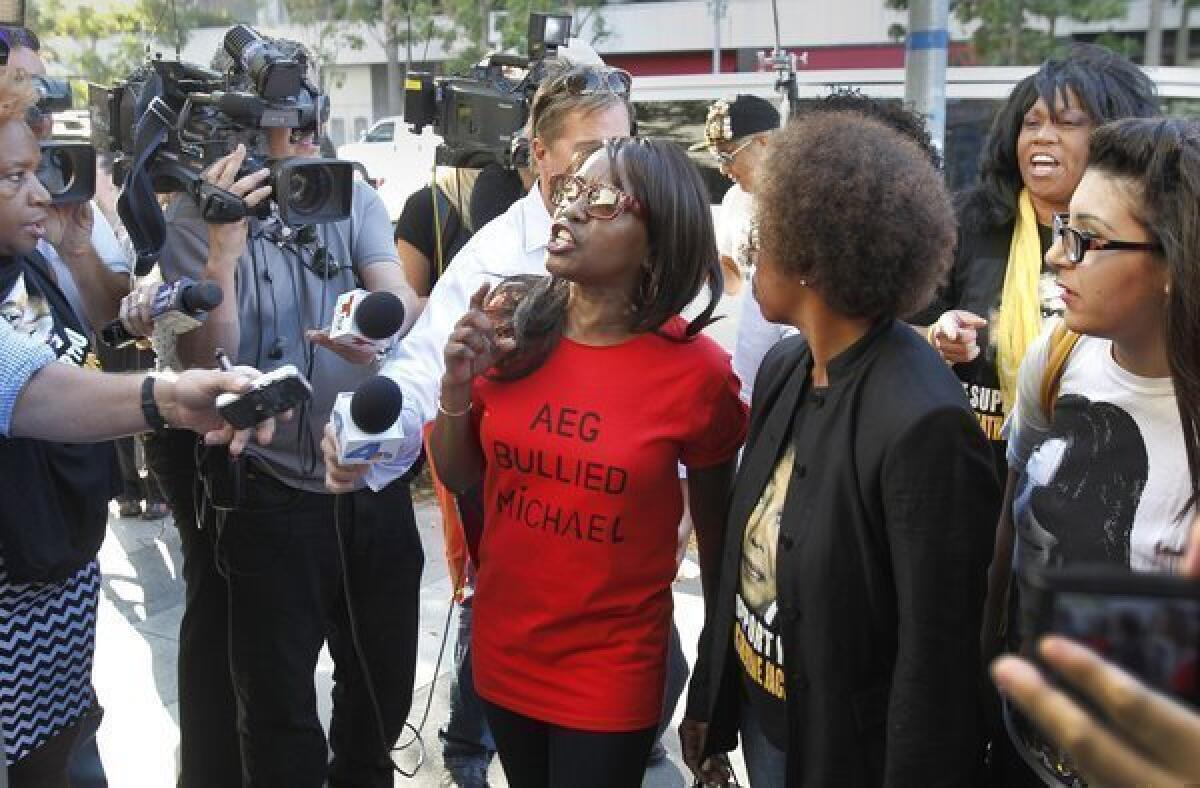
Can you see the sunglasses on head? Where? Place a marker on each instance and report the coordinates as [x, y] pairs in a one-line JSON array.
[[1077, 243], [586, 82], [601, 200]]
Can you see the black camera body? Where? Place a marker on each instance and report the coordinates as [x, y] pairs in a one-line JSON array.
[[478, 115], [170, 120]]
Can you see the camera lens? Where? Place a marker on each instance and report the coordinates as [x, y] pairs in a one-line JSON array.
[[56, 172], [307, 188]]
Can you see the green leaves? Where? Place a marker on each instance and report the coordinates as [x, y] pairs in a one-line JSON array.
[[1020, 32], [105, 44]]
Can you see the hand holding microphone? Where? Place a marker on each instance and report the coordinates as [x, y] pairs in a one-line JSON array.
[[364, 428], [363, 326], [178, 307]]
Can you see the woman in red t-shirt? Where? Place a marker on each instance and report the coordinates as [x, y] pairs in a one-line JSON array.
[[596, 390]]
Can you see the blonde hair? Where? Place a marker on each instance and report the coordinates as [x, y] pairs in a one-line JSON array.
[[457, 183], [17, 95], [553, 102]]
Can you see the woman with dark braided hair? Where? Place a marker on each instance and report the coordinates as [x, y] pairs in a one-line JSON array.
[[574, 398]]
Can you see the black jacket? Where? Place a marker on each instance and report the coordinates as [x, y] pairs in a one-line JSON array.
[[885, 540]]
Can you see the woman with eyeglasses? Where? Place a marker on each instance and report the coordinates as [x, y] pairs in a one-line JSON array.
[[841, 647], [573, 398], [1104, 448], [999, 292]]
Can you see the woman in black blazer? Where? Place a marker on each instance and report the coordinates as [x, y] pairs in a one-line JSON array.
[[843, 640]]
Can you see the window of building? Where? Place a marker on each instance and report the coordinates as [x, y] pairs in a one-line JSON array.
[[337, 131]]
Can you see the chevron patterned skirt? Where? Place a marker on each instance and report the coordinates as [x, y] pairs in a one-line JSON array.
[[47, 642]]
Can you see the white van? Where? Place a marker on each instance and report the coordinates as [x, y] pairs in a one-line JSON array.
[[397, 161]]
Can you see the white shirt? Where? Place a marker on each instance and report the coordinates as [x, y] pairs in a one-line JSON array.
[[755, 335], [735, 226], [1107, 478], [511, 244]]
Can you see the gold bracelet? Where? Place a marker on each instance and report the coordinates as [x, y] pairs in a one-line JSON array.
[[452, 413], [929, 332]]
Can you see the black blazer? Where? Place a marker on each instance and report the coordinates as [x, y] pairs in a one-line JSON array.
[[883, 549]]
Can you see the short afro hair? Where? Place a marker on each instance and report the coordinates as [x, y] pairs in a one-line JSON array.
[[859, 211]]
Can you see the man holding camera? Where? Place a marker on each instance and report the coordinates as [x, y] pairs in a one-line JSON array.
[[300, 566]]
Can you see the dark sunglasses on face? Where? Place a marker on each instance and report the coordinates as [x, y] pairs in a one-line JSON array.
[[600, 200], [1077, 243]]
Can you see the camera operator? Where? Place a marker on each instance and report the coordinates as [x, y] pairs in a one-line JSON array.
[[88, 263], [300, 565]]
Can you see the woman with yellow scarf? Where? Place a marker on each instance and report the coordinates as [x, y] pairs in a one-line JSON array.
[[1000, 290]]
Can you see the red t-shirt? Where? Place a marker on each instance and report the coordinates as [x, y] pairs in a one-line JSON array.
[[582, 504]]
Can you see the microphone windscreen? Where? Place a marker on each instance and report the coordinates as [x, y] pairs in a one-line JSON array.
[[380, 315], [376, 404], [201, 297]]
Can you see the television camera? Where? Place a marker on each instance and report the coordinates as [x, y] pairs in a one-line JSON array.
[[478, 115], [170, 120]]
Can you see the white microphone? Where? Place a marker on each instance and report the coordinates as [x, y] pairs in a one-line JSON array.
[[366, 320], [367, 422]]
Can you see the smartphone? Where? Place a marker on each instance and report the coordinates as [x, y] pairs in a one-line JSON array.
[[275, 392], [1146, 622]]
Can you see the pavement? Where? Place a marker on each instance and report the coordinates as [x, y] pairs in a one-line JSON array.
[[141, 602]]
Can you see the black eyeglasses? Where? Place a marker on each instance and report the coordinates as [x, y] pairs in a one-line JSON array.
[[601, 200], [1077, 243]]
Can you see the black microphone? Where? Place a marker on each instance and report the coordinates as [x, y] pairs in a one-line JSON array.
[[180, 307], [366, 320], [376, 404], [380, 315], [367, 422]]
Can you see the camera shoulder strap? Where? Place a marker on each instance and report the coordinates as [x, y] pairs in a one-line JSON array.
[[138, 204]]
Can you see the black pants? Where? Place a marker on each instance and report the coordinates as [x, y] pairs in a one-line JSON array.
[[46, 767], [281, 555], [537, 754], [209, 751]]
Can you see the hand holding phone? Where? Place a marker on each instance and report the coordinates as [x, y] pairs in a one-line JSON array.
[[274, 393], [1147, 623]]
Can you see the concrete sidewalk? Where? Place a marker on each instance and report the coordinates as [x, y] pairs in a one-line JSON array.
[[140, 607]]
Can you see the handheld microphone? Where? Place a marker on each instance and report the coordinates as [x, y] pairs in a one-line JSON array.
[[366, 320], [367, 422], [178, 307]]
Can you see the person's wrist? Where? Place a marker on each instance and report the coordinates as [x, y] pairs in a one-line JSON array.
[[455, 396], [165, 400]]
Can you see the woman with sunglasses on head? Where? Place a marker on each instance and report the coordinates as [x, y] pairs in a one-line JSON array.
[[573, 398], [842, 644], [1104, 447]]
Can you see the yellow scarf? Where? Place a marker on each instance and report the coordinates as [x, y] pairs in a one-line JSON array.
[[1019, 319]]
